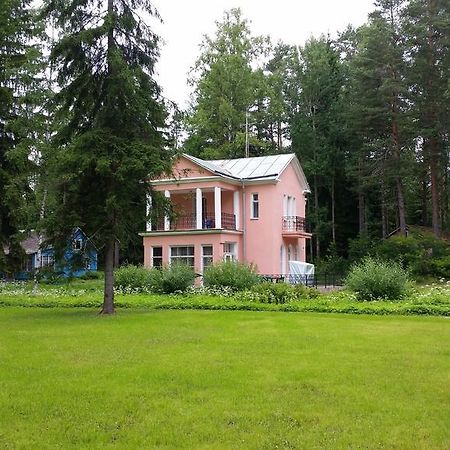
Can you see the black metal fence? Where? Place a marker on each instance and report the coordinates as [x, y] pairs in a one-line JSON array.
[[320, 279], [189, 222]]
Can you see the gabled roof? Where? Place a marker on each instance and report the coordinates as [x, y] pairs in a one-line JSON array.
[[257, 167], [251, 169]]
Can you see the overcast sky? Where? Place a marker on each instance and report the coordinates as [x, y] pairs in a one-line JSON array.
[[292, 21]]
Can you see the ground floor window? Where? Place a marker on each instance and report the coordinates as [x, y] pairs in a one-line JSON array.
[[207, 256], [157, 257], [184, 255], [47, 260], [229, 251]]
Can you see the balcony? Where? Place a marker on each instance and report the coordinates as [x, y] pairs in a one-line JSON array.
[[188, 222], [294, 226]]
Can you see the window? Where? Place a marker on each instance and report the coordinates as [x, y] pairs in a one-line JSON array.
[[184, 255], [77, 245], [255, 206], [207, 256], [157, 256], [229, 251], [27, 265], [46, 260]]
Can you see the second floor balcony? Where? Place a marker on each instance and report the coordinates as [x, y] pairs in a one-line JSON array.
[[188, 222], [294, 225]]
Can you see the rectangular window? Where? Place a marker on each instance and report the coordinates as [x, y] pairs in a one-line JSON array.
[[157, 257], [207, 256], [77, 244], [229, 251], [255, 206], [183, 255], [46, 260]]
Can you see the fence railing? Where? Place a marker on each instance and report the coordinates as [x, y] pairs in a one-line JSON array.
[[294, 224], [320, 279], [189, 222]]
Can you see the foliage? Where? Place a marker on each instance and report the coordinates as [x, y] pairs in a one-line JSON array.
[[373, 279], [431, 299], [226, 87], [21, 99], [278, 293], [176, 278], [417, 252], [235, 275], [136, 278], [92, 275], [110, 115]]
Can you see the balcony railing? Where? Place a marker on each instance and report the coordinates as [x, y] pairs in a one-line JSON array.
[[189, 222], [294, 224]]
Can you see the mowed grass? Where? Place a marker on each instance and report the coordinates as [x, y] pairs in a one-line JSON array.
[[70, 379]]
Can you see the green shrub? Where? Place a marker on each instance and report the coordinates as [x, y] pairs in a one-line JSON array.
[[441, 267], [269, 292], [176, 278], [234, 275], [91, 275], [277, 293], [137, 278], [373, 279], [417, 252]]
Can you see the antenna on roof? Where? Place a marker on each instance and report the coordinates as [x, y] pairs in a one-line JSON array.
[[246, 134]]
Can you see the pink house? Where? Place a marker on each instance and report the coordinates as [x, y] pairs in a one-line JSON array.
[[247, 209]]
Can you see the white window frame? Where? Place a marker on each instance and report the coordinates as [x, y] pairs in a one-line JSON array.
[[47, 260], [254, 201], [189, 258], [230, 251], [207, 257], [153, 257], [77, 245]]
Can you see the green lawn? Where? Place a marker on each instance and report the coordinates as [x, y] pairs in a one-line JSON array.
[[218, 379]]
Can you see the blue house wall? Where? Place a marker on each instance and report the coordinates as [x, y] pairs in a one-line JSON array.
[[86, 249]]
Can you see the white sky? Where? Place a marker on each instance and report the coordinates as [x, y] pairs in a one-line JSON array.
[[292, 21]]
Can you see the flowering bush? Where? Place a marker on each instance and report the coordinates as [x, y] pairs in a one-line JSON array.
[[373, 279]]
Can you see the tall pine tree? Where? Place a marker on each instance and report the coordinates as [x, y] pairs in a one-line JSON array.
[[109, 117]]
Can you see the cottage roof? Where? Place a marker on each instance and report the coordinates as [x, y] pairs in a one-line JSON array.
[[255, 168]]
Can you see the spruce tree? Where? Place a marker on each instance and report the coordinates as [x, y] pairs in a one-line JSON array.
[[20, 66], [109, 117]]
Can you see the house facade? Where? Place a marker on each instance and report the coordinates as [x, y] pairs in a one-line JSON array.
[[79, 257], [249, 209]]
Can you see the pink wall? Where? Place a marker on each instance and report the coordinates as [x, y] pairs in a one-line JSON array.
[[197, 240], [263, 237]]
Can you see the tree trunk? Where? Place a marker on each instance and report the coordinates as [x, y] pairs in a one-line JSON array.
[[424, 201], [384, 227], [398, 182], [316, 207], [333, 210], [279, 137], [361, 204], [435, 201], [116, 254], [108, 297]]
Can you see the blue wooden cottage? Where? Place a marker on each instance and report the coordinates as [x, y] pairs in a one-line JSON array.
[[79, 257]]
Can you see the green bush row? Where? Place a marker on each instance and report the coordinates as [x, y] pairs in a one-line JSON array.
[[433, 301], [167, 280]]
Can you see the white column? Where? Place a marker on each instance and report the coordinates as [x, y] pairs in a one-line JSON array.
[[218, 207], [148, 209], [236, 209], [166, 218], [198, 208]]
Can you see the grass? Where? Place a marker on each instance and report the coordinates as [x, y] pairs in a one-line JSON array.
[[71, 379]]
